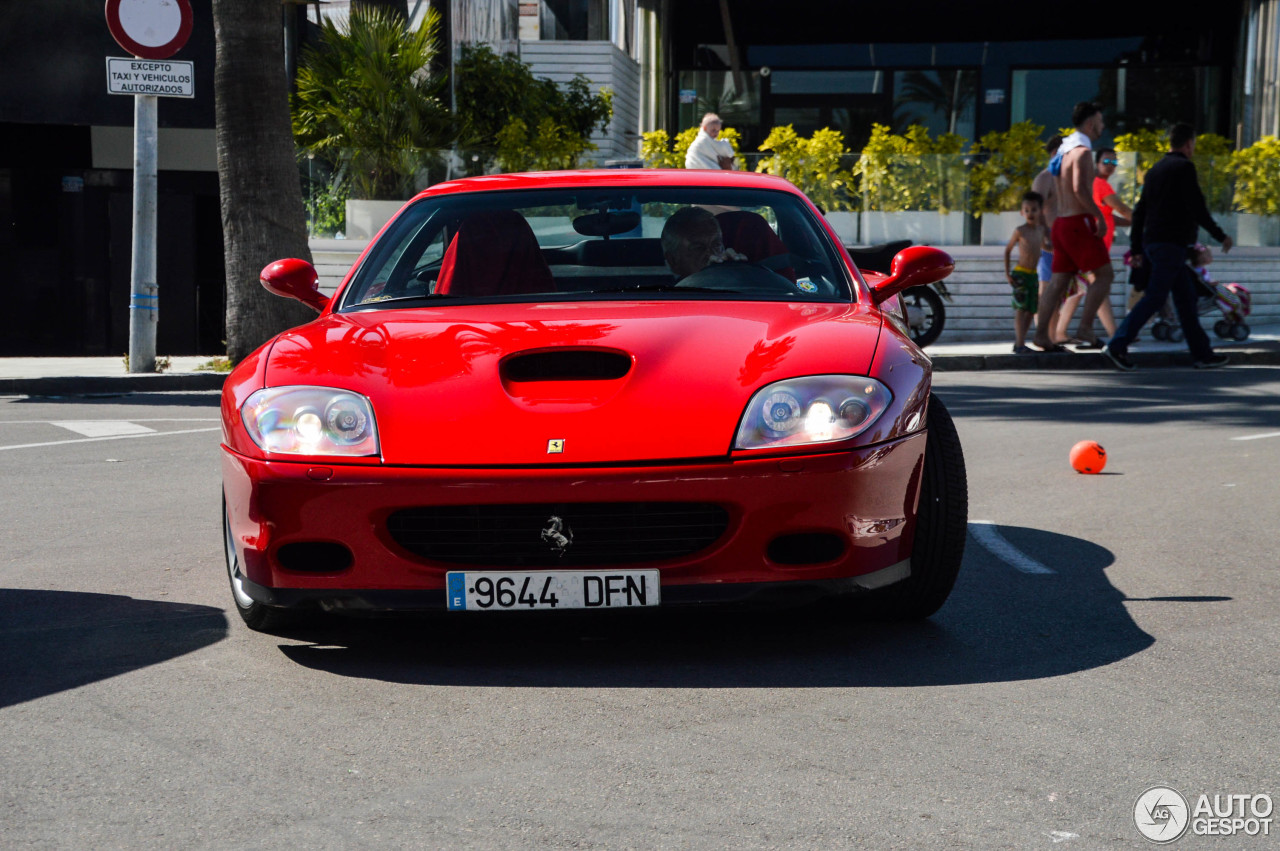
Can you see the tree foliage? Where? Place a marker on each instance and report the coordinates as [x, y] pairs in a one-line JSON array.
[[659, 150], [529, 121], [1257, 177], [812, 164], [1213, 159], [1010, 161], [912, 171], [367, 93]]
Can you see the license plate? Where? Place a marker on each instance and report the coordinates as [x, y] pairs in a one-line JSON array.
[[596, 589]]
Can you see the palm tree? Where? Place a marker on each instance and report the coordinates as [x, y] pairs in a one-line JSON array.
[[367, 92], [263, 218], [948, 92]]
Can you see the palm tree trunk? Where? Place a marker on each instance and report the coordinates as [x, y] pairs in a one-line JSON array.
[[263, 217]]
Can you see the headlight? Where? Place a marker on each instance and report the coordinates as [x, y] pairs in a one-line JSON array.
[[311, 421], [814, 409]]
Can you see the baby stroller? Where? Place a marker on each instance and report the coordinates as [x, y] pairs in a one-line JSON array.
[[1231, 300]]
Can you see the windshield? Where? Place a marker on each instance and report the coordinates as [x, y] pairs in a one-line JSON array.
[[600, 243]]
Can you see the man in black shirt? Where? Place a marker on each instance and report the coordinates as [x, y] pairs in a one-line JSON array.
[[1165, 221]]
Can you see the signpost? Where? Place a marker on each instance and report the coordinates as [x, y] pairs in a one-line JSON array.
[[151, 30]]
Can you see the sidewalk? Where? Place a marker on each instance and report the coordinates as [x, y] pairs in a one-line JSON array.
[[106, 375], [1262, 348]]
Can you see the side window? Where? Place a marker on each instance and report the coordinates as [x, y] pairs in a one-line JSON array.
[[409, 269]]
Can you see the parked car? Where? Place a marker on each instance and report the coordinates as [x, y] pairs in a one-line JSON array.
[[593, 389]]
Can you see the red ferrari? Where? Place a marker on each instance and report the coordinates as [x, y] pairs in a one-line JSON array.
[[593, 390]]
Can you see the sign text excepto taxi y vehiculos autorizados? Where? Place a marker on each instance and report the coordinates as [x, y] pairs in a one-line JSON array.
[[162, 77]]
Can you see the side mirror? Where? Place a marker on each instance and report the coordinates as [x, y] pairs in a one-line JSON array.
[[295, 278], [912, 267]]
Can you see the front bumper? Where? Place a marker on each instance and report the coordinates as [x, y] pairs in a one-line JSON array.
[[867, 497], [792, 592]]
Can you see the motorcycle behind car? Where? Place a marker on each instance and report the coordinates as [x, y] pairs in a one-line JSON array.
[[926, 314]]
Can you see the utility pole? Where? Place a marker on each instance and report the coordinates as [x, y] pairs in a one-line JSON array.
[[144, 296], [151, 31]]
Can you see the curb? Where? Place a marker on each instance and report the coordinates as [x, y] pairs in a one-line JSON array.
[[1094, 360], [111, 384]]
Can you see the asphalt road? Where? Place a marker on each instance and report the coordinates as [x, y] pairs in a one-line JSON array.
[[1108, 633]]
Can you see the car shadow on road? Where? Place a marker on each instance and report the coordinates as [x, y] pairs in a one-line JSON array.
[[999, 625], [51, 641]]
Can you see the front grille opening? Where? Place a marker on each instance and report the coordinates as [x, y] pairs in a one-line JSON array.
[[806, 548], [314, 557], [550, 535], [571, 365]]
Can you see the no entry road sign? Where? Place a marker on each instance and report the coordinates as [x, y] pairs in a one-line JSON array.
[[152, 29]]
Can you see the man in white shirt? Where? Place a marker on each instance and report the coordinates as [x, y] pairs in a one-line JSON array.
[[708, 151]]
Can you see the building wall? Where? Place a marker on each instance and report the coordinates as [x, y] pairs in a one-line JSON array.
[[1258, 73], [66, 162], [605, 66]]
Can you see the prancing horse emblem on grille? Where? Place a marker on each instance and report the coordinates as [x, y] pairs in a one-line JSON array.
[[557, 534], [555, 447]]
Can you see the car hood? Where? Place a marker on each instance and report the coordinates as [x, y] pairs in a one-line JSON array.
[[472, 386]]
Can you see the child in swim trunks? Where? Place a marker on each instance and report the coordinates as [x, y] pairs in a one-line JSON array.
[[1030, 239]]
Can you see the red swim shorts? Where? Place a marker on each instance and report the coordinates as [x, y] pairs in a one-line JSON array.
[[1076, 247]]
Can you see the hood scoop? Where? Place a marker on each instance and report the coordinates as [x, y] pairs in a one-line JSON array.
[[566, 365]]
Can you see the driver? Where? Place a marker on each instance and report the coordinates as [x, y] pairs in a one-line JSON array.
[[694, 250], [691, 241]]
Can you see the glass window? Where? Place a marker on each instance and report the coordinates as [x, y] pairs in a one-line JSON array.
[[602, 243], [827, 82], [1132, 98], [737, 102], [575, 20], [941, 100]]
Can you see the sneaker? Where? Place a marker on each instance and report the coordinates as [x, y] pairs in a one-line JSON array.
[[1120, 359], [1211, 361]]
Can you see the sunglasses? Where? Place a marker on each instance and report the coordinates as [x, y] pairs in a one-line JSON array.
[[1111, 162]]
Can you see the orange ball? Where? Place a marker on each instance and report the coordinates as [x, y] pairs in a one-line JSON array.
[[1088, 457]]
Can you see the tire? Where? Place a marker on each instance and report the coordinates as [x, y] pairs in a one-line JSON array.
[[1160, 331], [1240, 332], [934, 316], [1222, 328], [256, 616], [942, 522], [1175, 334]]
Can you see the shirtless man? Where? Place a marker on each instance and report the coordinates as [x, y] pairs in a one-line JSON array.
[[1077, 232]]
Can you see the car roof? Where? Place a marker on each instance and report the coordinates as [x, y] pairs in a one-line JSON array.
[[628, 177]]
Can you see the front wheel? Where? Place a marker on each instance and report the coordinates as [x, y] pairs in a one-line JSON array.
[[942, 525], [925, 314]]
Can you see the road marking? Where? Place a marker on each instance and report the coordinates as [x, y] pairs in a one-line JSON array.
[[1258, 436], [986, 533], [112, 437], [102, 428]]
